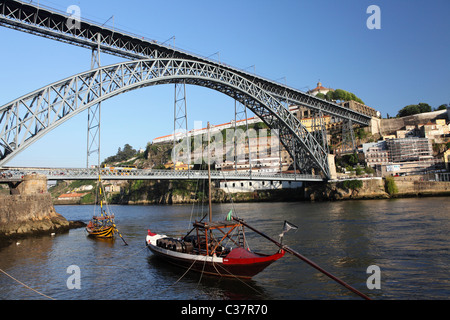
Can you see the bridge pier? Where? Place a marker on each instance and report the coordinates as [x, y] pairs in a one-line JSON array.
[[30, 184], [332, 166], [28, 210]]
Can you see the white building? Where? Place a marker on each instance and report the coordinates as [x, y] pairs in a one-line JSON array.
[[319, 89], [250, 186]]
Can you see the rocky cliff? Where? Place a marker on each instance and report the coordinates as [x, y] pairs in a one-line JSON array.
[[370, 189]]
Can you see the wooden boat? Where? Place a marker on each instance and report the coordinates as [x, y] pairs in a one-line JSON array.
[[203, 253], [103, 226], [208, 249]]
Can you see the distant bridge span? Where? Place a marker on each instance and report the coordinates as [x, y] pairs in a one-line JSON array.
[[16, 174]]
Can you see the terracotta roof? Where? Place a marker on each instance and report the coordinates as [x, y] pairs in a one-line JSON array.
[[71, 195], [319, 87]]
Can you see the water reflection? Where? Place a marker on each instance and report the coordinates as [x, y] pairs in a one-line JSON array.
[[407, 238]]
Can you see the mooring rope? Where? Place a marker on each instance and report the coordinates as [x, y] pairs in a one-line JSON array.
[[179, 278], [5, 273], [236, 277]]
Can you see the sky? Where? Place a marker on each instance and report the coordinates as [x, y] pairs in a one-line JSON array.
[[297, 42]]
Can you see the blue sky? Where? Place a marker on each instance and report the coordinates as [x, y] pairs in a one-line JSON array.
[[407, 61]]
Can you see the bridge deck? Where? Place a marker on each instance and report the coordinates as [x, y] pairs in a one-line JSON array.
[[10, 174], [50, 23]]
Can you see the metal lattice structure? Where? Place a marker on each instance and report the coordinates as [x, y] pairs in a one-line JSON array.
[[28, 118], [16, 174], [49, 23]]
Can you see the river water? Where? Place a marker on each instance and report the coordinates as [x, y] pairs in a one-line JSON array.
[[408, 239]]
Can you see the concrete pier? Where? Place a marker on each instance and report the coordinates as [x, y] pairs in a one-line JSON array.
[[29, 210]]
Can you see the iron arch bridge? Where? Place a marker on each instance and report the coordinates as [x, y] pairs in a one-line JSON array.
[[25, 120], [28, 118]]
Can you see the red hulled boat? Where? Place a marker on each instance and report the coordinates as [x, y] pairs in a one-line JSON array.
[[204, 251], [215, 248]]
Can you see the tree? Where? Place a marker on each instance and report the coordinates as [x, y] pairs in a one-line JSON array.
[[443, 106], [320, 95], [390, 186], [330, 96], [122, 154], [412, 109], [409, 110], [342, 95], [424, 107]]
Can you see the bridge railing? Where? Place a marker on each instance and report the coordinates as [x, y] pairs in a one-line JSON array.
[[151, 174]]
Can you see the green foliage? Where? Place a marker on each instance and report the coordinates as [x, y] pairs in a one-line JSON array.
[[352, 184], [320, 95], [443, 107], [360, 133], [412, 109], [369, 170], [87, 199], [351, 159], [341, 95], [121, 155], [359, 171], [390, 186]]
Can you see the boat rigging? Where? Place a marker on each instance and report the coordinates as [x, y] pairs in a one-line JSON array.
[[216, 247], [103, 225]]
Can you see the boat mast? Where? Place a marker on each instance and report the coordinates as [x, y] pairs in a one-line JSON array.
[[209, 181]]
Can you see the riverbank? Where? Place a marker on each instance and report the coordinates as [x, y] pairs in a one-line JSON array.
[[357, 189], [376, 188]]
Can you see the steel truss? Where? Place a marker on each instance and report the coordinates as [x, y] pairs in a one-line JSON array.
[[28, 118], [16, 175], [49, 23]]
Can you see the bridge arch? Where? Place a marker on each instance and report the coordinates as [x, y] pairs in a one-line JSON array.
[[26, 119]]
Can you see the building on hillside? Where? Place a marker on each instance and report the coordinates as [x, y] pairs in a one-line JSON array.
[[179, 166], [73, 196], [376, 153], [435, 131], [319, 89], [401, 156], [251, 186], [113, 188], [361, 108], [213, 129], [409, 149]]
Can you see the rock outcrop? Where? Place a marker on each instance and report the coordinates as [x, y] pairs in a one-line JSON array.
[[29, 210]]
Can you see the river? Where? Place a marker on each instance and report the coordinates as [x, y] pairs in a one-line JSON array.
[[408, 239]]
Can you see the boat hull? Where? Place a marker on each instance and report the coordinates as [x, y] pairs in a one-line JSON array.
[[233, 267], [102, 232]]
